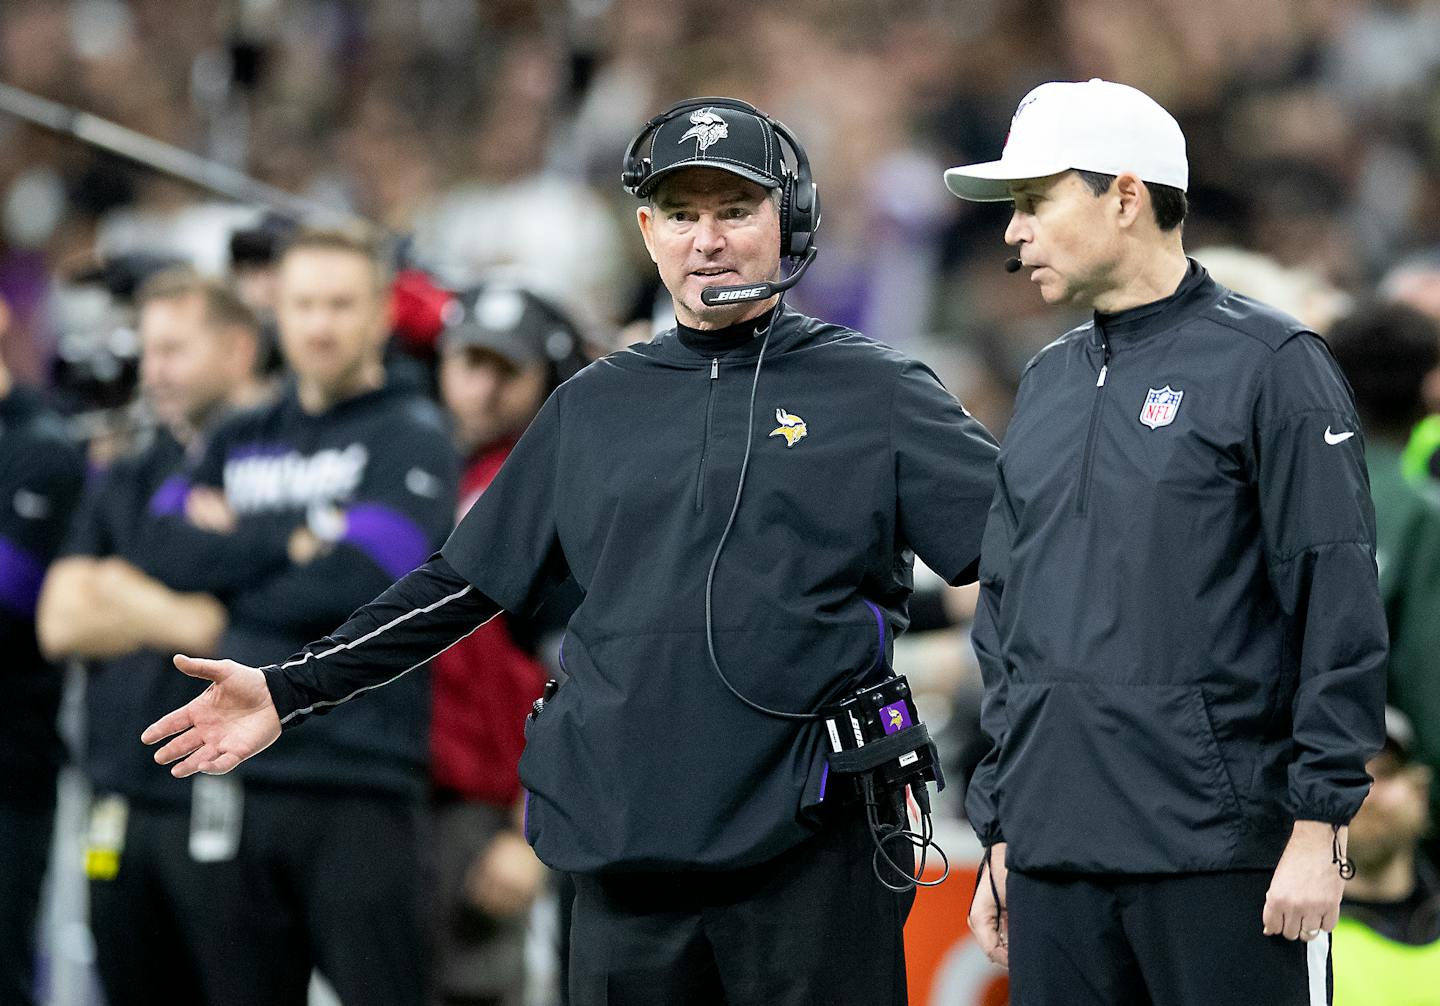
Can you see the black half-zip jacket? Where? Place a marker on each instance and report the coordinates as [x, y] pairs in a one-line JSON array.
[[1180, 626], [859, 460]]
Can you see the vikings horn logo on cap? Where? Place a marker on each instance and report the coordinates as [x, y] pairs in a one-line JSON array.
[[708, 127]]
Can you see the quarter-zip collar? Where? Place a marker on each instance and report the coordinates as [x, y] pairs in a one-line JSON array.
[[719, 341], [787, 329], [1135, 323]]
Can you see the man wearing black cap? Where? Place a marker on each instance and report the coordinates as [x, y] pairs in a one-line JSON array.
[[739, 500], [1179, 624], [503, 350]]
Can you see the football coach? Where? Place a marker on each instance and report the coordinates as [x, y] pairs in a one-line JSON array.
[[740, 501], [1179, 627]]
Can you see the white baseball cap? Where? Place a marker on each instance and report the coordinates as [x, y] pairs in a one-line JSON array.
[[1092, 125]]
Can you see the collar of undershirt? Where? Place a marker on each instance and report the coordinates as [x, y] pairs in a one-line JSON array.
[[1159, 315], [719, 341]]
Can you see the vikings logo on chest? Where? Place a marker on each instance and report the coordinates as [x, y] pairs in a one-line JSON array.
[[792, 428]]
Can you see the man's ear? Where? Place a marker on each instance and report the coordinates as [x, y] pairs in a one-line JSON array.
[[1133, 199], [645, 217]]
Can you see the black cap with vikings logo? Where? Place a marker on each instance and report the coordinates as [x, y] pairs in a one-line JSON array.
[[716, 136]]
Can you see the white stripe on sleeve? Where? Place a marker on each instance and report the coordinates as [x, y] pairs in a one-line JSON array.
[[325, 703]]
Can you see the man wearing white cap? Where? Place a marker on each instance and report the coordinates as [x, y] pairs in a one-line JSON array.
[[1179, 625]]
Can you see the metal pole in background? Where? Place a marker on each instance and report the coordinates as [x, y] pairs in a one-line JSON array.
[[167, 158]]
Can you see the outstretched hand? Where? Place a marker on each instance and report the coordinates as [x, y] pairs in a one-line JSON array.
[[222, 726]]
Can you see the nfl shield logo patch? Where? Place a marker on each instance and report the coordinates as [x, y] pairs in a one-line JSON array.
[[1160, 407]]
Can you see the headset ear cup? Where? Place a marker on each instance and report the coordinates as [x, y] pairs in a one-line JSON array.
[[800, 218], [635, 173]]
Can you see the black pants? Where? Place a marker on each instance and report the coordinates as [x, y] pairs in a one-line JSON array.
[[25, 831], [1177, 940], [811, 926], [152, 921], [329, 880]]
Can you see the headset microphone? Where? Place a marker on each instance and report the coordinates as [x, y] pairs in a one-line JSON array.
[[1013, 265], [713, 295]]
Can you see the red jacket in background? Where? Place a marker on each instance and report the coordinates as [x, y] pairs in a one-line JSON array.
[[482, 688]]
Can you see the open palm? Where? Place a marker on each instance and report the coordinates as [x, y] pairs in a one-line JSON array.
[[222, 726]]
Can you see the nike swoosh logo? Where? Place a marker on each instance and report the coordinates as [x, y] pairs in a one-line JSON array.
[[1337, 438]]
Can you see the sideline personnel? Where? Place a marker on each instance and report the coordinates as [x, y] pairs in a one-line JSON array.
[[709, 865], [353, 473], [41, 474], [1179, 628], [1389, 930], [133, 583], [502, 352]]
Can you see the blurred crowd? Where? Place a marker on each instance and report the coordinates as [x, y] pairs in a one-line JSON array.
[[488, 133], [484, 139]]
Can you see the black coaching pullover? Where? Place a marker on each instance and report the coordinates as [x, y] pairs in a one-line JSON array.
[[1180, 627], [626, 480]]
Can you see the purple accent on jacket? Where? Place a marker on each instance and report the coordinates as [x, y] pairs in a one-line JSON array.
[[394, 541], [880, 643], [21, 572], [169, 499], [824, 779]]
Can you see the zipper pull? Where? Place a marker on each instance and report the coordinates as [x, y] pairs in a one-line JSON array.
[[714, 369], [1104, 369]]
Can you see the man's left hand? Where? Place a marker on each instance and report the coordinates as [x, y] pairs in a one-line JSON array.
[[1304, 896]]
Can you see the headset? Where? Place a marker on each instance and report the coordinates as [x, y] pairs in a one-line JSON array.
[[799, 195]]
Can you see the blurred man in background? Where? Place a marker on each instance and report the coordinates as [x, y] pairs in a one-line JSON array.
[[1391, 354], [135, 581], [1388, 937], [354, 478], [41, 474], [502, 352]]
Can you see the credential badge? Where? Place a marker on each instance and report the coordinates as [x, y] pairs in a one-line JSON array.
[[1160, 407], [706, 129]]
